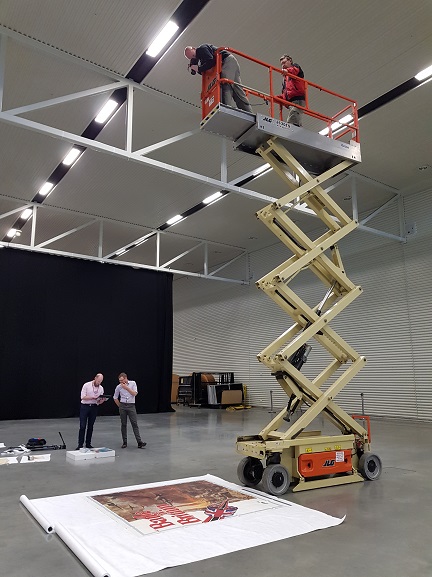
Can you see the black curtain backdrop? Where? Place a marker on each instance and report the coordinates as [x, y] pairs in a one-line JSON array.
[[63, 320]]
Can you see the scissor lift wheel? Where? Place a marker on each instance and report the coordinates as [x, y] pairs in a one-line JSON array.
[[250, 471], [370, 466], [276, 480]]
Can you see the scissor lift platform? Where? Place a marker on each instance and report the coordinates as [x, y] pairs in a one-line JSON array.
[[317, 153]]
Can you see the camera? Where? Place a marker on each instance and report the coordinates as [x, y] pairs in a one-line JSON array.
[[192, 62]]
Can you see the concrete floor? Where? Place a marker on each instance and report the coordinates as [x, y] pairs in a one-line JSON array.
[[387, 531]]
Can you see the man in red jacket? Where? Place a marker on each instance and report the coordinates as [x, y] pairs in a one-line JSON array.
[[293, 89]]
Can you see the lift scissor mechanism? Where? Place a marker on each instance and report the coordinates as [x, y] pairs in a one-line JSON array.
[[282, 453]]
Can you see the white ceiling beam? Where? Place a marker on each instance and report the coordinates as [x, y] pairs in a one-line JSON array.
[[15, 210], [2, 67], [228, 263], [181, 255], [166, 142], [119, 262], [67, 233], [129, 118], [374, 182], [378, 210], [66, 98], [381, 233], [121, 153]]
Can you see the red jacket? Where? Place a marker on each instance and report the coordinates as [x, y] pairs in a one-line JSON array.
[[293, 88]]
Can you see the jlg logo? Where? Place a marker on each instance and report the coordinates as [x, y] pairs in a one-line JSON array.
[[329, 463], [212, 83]]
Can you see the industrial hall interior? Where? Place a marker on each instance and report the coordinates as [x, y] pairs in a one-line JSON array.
[[215, 258]]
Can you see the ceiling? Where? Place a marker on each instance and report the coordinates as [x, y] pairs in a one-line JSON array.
[[52, 49]]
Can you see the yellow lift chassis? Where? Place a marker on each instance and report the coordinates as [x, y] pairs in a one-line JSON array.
[[306, 458]]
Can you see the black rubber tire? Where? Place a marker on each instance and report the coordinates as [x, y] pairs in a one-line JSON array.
[[250, 471], [276, 480], [370, 466]]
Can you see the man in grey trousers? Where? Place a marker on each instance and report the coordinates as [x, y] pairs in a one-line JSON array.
[[203, 58], [124, 398]]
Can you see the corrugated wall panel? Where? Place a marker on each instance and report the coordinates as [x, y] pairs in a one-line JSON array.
[[390, 323]]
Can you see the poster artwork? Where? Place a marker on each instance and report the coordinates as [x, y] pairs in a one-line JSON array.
[[173, 506]]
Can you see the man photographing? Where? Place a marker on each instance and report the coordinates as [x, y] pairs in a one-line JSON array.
[[203, 58]]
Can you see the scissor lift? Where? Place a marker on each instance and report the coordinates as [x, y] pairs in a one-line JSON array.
[[282, 454]]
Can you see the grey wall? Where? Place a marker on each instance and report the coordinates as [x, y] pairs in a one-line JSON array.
[[220, 326]]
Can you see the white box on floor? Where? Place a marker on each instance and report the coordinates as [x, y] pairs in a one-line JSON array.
[[80, 455], [103, 452]]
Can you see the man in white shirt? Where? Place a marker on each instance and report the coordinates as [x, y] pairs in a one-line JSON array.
[[124, 398], [90, 399]]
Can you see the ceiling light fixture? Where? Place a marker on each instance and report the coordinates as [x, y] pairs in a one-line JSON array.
[[121, 251], [175, 219], [213, 198], [262, 170], [12, 232], [71, 156], [45, 189], [26, 213], [424, 73], [337, 125], [106, 111], [162, 38]]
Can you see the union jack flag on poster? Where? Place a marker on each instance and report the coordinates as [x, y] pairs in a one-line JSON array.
[[217, 512]]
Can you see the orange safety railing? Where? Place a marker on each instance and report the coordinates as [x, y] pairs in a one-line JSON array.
[[337, 125], [364, 418]]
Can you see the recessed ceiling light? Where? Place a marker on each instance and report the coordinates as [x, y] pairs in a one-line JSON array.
[[26, 213], [162, 38], [424, 73], [106, 111], [212, 198], [44, 190], [345, 120], [71, 156], [174, 219]]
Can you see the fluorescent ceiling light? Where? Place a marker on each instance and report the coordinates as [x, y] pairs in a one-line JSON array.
[[162, 38], [262, 169], [345, 120], [121, 251], [71, 156], [424, 73], [106, 111], [46, 188], [11, 233], [175, 219], [26, 213], [212, 198]]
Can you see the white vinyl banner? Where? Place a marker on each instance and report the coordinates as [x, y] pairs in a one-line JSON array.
[[130, 531]]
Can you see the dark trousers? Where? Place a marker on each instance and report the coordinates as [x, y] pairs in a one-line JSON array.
[[129, 410], [88, 414]]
